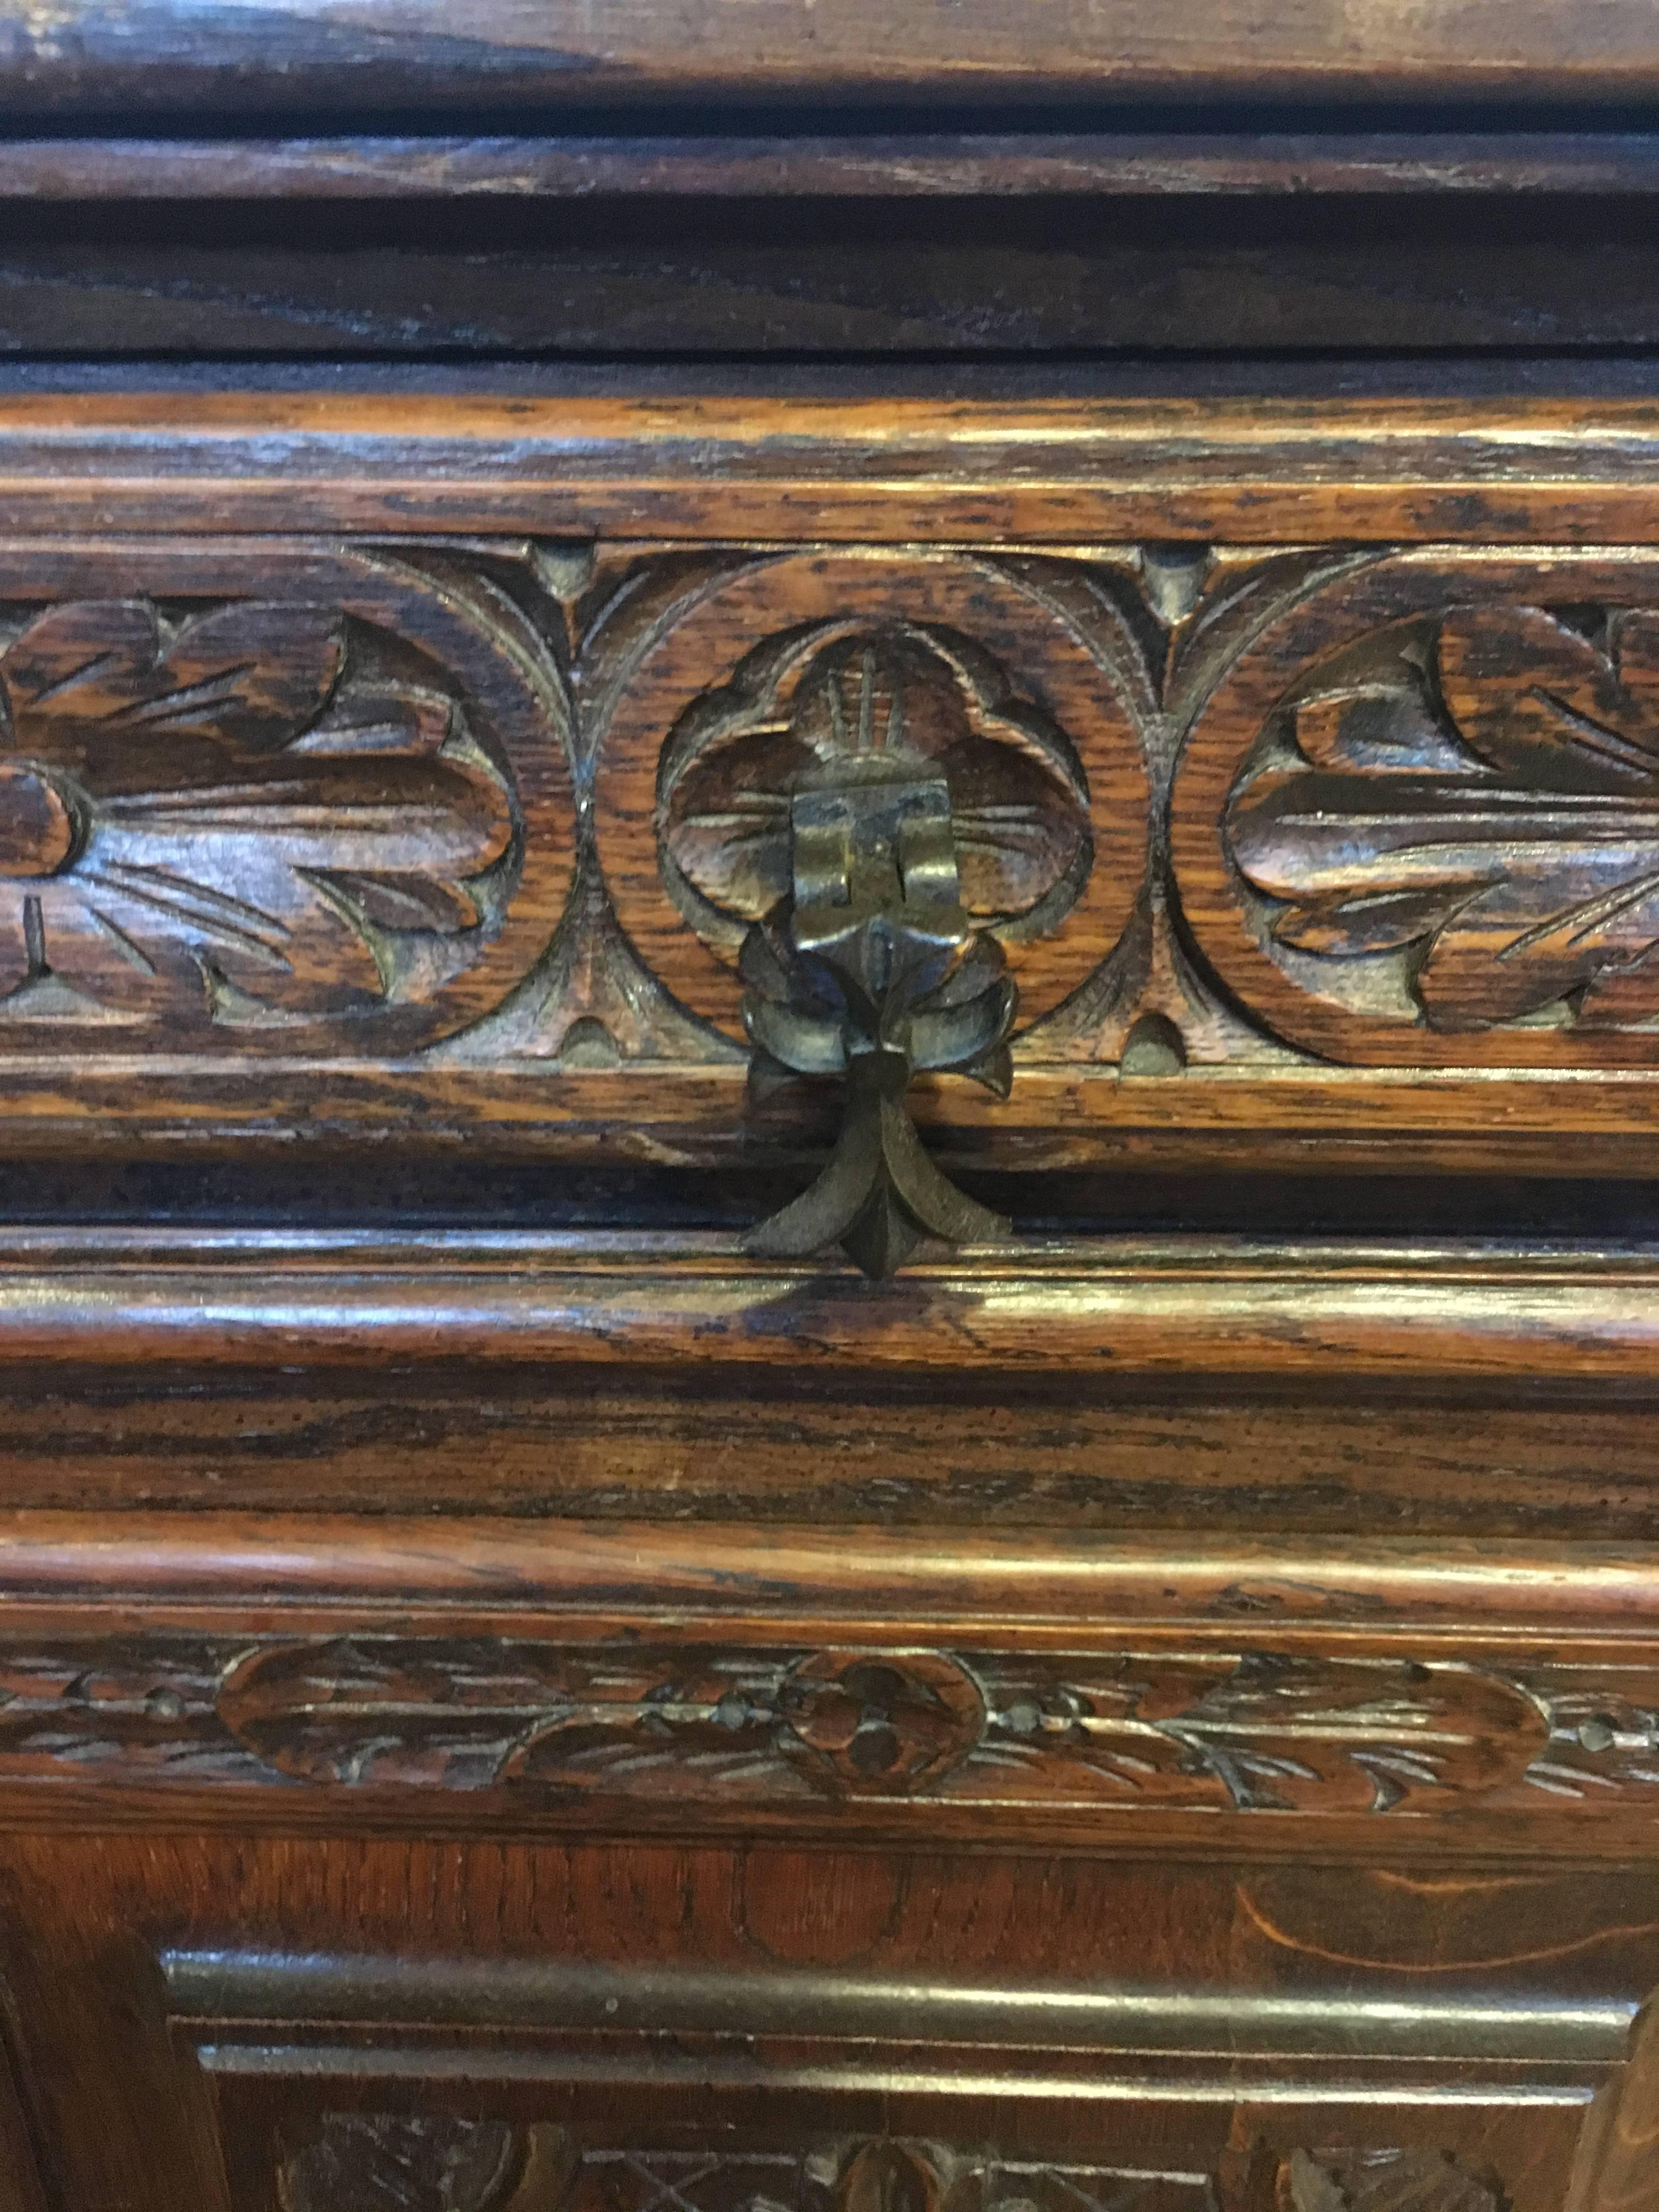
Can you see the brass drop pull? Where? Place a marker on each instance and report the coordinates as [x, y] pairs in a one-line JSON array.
[[871, 970]]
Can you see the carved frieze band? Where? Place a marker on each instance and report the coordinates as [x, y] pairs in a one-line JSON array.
[[1240, 1730], [382, 2162], [1374, 808]]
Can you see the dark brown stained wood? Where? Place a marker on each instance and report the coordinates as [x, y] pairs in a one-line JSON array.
[[261, 1567], [766, 275], [22, 2188], [180, 57], [508, 1704], [755, 2124], [1585, 1321], [936, 164], [452, 838], [235, 1990], [1198, 1740], [1461, 846], [805, 1440], [101, 1909], [1613, 2170], [717, 467]]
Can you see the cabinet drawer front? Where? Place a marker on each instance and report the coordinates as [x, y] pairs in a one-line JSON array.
[[1304, 763]]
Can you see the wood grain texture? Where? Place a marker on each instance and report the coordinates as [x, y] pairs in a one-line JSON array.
[[786, 2098], [470, 1964], [716, 466], [525, 798], [934, 164], [707, 274], [275, 817], [312, 58], [265, 1672], [1100, 1744], [1498, 887], [1187, 1307]]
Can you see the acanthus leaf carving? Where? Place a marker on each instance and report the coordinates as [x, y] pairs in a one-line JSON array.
[[1248, 1730], [430, 2163], [1383, 2180], [385, 2162], [197, 817], [487, 1713], [1264, 1731], [1510, 844]]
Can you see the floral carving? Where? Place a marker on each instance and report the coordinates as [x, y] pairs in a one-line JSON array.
[[1474, 810], [382, 2162], [1019, 807], [1263, 1731], [1255, 1731], [377, 2162], [217, 819], [1382, 2181], [484, 1714]]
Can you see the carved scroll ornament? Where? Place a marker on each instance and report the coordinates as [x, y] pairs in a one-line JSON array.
[[716, 1729]]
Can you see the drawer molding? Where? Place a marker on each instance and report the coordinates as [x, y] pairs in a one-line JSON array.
[[1352, 1694]]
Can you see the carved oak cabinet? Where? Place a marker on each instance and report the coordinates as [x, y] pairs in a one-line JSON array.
[[828, 1106]]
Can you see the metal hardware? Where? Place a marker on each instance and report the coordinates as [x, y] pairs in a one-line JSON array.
[[870, 969]]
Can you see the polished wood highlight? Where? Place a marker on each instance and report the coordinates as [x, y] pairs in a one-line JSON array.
[[693, 648], [182, 57]]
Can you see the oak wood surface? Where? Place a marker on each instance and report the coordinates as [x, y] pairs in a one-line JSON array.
[[935, 163], [713, 466], [507, 1705], [314, 56], [1188, 1307], [136, 2128]]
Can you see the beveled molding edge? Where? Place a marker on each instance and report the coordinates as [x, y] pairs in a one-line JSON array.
[[722, 465], [1487, 1319], [1130, 2097], [1146, 1692]]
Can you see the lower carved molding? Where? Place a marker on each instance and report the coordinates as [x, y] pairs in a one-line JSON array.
[[1208, 1727], [1382, 2181], [384, 2162]]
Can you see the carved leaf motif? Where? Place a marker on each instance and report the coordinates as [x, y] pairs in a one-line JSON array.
[[1019, 816], [1501, 824], [1264, 1732], [381, 2162], [208, 821], [471, 1715], [479, 1715], [121, 1705], [1381, 2181], [1603, 1741]]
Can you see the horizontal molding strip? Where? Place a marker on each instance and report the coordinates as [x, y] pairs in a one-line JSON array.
[[1411, 1313], [235, 1987], [311, 57], [475, 1677], [783, 1578], [718, 466], [924, 166]]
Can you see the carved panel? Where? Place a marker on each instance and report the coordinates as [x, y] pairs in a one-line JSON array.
[[385, 2163], [257, 800], [1415, 823], [373, 2162], [1013, 677], [261, 798], [1217, 1730], [1383, 2181]]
